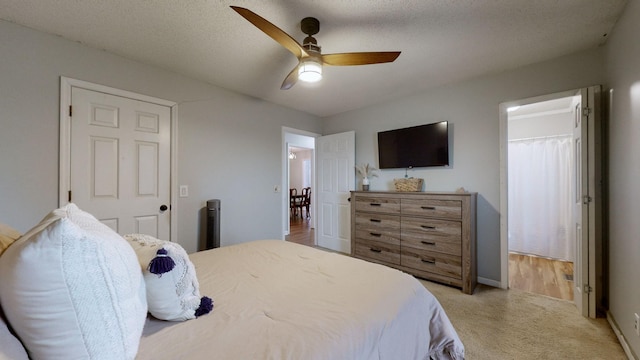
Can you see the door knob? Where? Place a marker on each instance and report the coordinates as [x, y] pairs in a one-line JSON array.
[[163, 207]]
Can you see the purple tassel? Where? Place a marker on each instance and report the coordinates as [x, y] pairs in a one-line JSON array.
[[162, 263], [206, 305]]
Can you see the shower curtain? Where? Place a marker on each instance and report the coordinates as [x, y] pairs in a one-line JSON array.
[[540, 197]]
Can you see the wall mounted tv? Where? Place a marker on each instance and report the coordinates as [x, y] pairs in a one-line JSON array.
[[416, 146]]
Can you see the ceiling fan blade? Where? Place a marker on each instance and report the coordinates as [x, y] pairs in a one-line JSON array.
[[290, 80], [273, 31], [360, 58]]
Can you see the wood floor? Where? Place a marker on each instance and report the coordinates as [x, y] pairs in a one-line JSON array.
[[528, 273], [300, 231], [541, 276]]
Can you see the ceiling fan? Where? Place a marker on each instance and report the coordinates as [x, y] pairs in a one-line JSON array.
[[310, 60]]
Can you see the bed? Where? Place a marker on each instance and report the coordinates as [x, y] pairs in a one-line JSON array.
[[279, 300]]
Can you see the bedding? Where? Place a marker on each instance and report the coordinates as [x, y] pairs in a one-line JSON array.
[[280, 300]]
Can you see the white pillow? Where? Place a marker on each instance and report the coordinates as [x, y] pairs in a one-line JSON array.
[[71, 288], [173, 292], [10, 346]]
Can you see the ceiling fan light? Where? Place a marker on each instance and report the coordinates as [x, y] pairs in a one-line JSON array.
[[310, 71]]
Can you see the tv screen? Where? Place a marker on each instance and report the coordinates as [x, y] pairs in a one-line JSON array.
[[417, 146]]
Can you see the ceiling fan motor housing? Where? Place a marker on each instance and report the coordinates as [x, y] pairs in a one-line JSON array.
[[310, 26]]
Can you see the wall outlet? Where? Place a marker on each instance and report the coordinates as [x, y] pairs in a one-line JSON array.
[[636, 323]]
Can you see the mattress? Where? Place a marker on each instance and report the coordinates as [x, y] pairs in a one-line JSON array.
[[279, 300]]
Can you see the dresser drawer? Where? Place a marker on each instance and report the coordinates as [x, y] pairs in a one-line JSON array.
[[387, 224], [378, 204], [376, 250], [443, 236], [389, 237], [432, 244], [448, 209], [433, 262]]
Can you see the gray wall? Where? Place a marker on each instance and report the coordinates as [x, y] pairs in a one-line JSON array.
[[623, 75], [229, 145], [472, 109]]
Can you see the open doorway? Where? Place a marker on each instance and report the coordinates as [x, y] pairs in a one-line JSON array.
[[541, 188], [298, 186], [586, 192], [300, 191]]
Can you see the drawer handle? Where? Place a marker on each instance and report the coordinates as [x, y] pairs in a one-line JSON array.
[[428, 261], [428, 242], [375, 204], [375, 220], [428, 207], [375, 234], [376, 250], [428, 227]]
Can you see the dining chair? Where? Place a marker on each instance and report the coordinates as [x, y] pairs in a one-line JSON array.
[[306, 200], [293, 206]]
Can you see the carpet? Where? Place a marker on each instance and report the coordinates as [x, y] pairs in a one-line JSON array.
[[512, 324]]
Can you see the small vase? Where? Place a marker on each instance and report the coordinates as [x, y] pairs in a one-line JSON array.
[[365, 184]]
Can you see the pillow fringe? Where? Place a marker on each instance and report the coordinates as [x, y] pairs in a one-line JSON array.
[[206, 305], [162, 263]]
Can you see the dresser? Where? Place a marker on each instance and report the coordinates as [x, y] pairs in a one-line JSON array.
[[431, 235]]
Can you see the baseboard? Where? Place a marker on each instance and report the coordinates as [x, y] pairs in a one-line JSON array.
[[621, 339], [489, 282]]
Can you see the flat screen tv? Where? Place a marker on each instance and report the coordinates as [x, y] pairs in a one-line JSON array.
[[416, 146]]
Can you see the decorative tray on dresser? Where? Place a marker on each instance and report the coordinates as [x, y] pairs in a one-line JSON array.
[[431, 235]]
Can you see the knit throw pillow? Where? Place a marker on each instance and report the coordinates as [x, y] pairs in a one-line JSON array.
[[173, 292]]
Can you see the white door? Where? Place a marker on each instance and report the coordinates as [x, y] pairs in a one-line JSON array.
[[120, 161], [587, 147], [335, 167], [581, 220]]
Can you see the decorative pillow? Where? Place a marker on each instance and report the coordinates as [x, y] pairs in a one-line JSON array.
[[170, 277], [10, 346], [7, 236], [71, 288]]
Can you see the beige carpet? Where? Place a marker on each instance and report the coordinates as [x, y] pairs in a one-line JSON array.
[[512, 324]]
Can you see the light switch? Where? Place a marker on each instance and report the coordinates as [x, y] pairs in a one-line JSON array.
[[184, 190]]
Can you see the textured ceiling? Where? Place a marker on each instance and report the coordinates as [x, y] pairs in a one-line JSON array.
[[442, 41]]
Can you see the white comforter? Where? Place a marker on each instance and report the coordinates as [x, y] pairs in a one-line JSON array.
[[278, 300]]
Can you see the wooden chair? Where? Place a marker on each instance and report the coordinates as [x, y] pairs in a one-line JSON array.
[[306, 200], [293, 205]]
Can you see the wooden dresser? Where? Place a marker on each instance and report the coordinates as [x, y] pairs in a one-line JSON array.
[[431, 235]]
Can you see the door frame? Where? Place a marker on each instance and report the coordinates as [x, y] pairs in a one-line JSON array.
[[66, 84], [594, 134]]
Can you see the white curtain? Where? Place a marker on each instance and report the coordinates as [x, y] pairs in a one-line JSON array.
[[540, 197]]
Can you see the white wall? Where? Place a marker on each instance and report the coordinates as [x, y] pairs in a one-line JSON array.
[[471, 108], [229, 145], [296, 169], [541, 125], [623, 75]]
